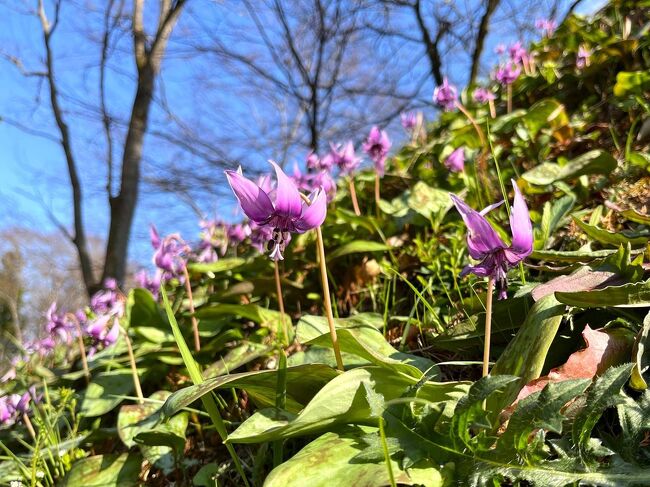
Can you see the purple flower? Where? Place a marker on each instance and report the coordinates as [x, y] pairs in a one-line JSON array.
[[582, 59], [287, 214], [344, 157], [260, 236], [409, 120], [455, 162], [44, 346], [500, 49], [100, 334], [6, 411], [169, 253], [547, 26], [105, 300], [506, 75], [57, 323], [483, 95], [485, 244], [152, 284], [377, 146], [518, 53], [323, 179], [445, 96], [316, 163], [237, 233]]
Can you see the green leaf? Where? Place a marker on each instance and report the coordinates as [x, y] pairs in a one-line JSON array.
[[143, 311], [330, 460], [605, 393], [570, 256], [364, 341], [303, 382], [641, 356], [105, 471], [428, 201], [236, 357], [103, 393], [341, 401], [358, 246], [221, 265], [526, 353], [635, 216], [628, 82], [633, 295], [635, 239], [592, 162], [545, 113], [543, 174], [251, 312]]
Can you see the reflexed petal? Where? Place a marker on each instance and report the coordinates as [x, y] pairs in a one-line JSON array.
[[155, 238], [313, 215], [287, 197], [113, 334], [254, 202], [482, 239], [521, 227], [491, 207]]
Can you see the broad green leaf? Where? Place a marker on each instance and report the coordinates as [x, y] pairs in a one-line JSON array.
[[635, 216], [221, 265], [544, 174], [342, 401], [428, 201], [331, 460], [362, 340], [614, 238], [236, 357], [143, 311], [251, 312], [545, 113], [605, 393], [632, 295], [105, 471], [631, 82], [526, 353], [104, 391], [358, 246], [641, 356], [592, 162], [303, 382], [570, 256]]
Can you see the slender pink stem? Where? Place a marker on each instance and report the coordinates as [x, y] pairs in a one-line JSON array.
[[134, 368], [353, 195], [82, 348], [377, 191], [327, 299], [473, 122], [493, 110], [488, 327], [509, 98]]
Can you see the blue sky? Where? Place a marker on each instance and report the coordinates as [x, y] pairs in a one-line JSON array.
[[34, 185]]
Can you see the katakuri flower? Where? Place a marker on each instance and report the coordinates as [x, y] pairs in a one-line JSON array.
[[345, 157], [455, 162], [547, 26], [483, 95], [582, 59], [287, 214], [57, 323], [169, 255], [518, 53], [506, 75], [150, 283], [409, 120], [377, 146], [445, 95], [101, 334], [107, 299], [485, 244]]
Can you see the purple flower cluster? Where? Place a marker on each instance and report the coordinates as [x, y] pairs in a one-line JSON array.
[[13, 406], [547, 26], [377, 146], [483, 95], [455, 162], [445, 96], [508, 74], [170, 254]]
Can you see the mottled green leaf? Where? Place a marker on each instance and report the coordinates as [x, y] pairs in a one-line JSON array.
[[105, 471]]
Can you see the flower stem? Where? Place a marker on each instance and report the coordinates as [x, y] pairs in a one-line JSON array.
[[82, 350], [473, 122], [377, 191], [195, 325], [353, 195], [134, 368], [493, 110], [29, 426], [278, 288], [509, 97], [488, 326], [327, 299]]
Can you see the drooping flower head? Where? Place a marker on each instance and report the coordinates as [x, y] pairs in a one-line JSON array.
[[547, 26], [315, 163], [105, 300], [150, 283], [445, 95], [377, 146], [485, 244], [323, 179], [287, 214], [582, 59], [169, 255], [508, 74], [409, 120], [345, 157], [455, 162], [483, 95], [57, 323], [103, 332], [518, 53]]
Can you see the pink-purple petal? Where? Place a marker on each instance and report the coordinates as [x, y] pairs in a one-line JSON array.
[[254, 202], [482, 239], [287, 198], [313, 215], [520, 226]]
